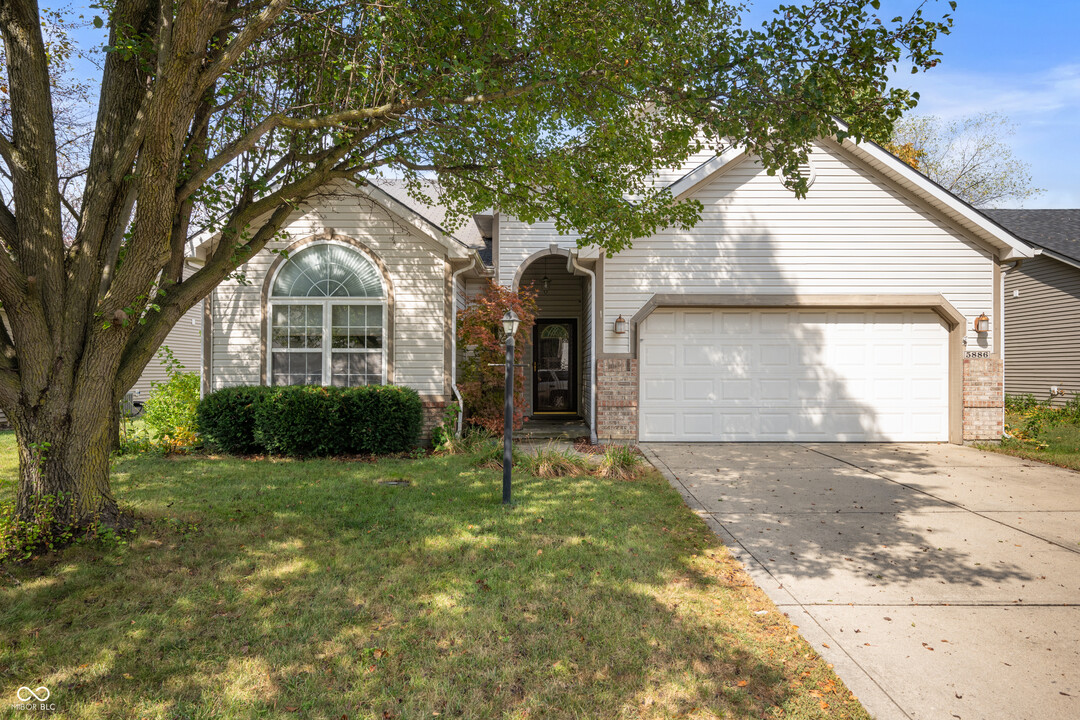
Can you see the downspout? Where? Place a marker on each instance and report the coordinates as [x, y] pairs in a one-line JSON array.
[[592, 345], [453, 343]]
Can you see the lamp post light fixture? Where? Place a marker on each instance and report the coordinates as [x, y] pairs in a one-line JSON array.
[[510, 323]]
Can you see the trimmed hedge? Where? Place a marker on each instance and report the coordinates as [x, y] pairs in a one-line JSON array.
[[310, 420], [226, 418]]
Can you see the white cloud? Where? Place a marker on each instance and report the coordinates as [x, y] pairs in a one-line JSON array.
[[1022, 96], [1044, 105]]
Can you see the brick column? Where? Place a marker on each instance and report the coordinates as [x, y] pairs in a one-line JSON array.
[[984, 398], [433, 415], [617, 399]]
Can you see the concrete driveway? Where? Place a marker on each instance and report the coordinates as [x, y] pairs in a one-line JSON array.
[[940, 581]]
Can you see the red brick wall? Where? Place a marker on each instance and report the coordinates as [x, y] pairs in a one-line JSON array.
[[433, 415], [984, 398], [617, 399]]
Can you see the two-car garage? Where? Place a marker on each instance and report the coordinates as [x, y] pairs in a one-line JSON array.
[[789, 374]]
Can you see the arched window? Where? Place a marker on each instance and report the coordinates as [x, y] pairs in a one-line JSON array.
[[327, 319]]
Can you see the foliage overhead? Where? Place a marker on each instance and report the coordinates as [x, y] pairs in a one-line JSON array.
[[969, 157]]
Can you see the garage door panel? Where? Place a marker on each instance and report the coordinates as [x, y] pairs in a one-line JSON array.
[[777, 375]]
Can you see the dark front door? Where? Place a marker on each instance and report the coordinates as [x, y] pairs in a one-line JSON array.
[[554, 366]]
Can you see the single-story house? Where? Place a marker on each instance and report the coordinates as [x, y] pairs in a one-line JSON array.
[[1042, 305], [871, 310]]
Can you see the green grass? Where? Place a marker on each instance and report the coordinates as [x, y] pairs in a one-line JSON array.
[[281, 589], [1062, 445]]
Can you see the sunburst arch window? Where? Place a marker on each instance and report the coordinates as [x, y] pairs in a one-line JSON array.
[[327, 317]]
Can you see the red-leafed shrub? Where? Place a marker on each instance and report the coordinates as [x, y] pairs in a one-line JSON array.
[[481, 375]]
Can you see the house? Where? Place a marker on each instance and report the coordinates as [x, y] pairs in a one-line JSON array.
[[869, 311], [1042, 305]]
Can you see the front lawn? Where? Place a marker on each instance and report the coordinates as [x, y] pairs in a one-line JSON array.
[[1062, 444], [279, 589]]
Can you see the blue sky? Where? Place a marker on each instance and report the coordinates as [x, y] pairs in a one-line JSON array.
[[1018, 58], [1021, 59]]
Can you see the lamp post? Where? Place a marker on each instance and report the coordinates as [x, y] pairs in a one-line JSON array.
[[510, 324]]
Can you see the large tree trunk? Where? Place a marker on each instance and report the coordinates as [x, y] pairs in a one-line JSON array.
[[64, 453]]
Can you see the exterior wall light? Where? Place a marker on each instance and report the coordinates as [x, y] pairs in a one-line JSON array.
[[982, 324], [620, 325]]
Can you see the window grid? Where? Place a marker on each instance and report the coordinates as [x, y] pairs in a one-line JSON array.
[[327, 340]]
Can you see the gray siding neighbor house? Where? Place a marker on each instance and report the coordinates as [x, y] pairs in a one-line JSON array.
[[1042, 305]]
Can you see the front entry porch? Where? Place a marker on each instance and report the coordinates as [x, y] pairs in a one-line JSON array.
[[557, 378]]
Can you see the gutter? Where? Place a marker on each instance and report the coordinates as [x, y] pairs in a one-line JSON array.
[[572, 261]]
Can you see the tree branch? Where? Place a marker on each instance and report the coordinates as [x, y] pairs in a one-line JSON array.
[[235, 49]]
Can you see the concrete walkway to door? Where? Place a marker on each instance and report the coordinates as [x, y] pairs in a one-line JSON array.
[[940, 581]]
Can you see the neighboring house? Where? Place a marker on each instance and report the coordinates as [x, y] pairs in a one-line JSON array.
[[1042, 305], [848, 315]]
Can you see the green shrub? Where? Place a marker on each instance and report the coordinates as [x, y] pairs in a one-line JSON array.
[[170, 411], [444, 435], [488, 454], [1020, 403], [300, 421], [226, 418], [378, 420], [1039, 417], [310, 420]]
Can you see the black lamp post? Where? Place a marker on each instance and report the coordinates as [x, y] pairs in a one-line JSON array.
[[510, 324]]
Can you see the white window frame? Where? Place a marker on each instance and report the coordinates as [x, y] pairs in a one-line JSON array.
[[327, 304]]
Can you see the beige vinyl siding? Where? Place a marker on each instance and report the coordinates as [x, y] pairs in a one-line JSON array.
[[1042, 328], [852, 234], [416, 266]]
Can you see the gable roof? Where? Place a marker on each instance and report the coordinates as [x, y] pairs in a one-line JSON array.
[[1055, 230], [1007, 245], [456, 248]]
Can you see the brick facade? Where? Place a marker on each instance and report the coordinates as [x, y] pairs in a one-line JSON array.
[[617, 399], [984, 398], [433, 415]]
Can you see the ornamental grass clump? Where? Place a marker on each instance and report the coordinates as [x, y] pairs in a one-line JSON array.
[[621, 462], [553, 462], [489, 455]]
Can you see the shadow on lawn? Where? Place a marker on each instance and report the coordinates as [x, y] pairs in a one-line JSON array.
[[310, 588]]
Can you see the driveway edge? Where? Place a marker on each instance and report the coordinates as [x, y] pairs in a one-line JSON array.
[[873, 698]]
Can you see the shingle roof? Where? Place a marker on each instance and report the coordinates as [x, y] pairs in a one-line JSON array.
[[435, 213], [1054, 230]]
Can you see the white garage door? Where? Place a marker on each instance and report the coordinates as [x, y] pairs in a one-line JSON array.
[[784, 375]]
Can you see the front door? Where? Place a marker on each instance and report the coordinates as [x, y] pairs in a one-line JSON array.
[[554, 370]]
